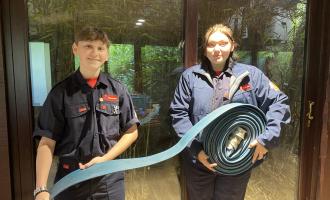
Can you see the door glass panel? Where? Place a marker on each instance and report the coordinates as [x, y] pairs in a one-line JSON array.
[[144, 55], [271, 36]]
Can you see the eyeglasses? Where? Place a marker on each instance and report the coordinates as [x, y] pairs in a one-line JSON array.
[[220, 44]]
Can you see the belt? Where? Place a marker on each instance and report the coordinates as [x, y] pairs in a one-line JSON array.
[[216, 129]]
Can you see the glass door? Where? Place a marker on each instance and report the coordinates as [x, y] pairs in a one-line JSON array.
[[145, 55], [271, 36]]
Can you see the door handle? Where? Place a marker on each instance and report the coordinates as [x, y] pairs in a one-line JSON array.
[[309, 115]]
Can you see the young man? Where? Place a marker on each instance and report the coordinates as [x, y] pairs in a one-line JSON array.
[[86, 119]]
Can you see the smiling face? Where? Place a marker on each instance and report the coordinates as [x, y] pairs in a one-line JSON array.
[[218, 48], [92, 55]]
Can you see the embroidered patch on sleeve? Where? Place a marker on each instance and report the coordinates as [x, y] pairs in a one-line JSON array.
[[273, 86]]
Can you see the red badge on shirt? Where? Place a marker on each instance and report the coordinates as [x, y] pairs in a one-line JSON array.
[[110, 98], [246, 87], [66, 166], [82, 109], [103, 107]]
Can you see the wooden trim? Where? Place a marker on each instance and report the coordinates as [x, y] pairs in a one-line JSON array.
[[190, 21], [190, 32], [316, 74], [324, 182], [5, 182], [19, 97]]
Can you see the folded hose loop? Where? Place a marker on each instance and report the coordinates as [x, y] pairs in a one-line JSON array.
[[216, 135], [216, 129]]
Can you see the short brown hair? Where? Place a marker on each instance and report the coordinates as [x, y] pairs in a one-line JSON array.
[[90, 33]]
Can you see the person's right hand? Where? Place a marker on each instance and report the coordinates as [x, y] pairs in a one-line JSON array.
[[202, 157], [43, 196]]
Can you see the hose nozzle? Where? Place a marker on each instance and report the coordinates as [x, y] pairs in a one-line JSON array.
[[235, 140]]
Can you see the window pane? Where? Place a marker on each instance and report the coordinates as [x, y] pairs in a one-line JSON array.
[[144, 55], [271, 36]]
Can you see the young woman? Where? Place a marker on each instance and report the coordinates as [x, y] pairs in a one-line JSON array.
[[209, 85]]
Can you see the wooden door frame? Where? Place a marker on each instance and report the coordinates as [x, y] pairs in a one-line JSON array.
[[324, 183], [313, 151], [190, 21], [19, 107], [5, 182]]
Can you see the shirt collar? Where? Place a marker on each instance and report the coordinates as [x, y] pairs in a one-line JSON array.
[[203, 69], [229, 70], [102, 80]]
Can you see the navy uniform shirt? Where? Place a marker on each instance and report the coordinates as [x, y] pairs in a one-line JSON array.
[[197, 94], [221, 89], [85, 122]]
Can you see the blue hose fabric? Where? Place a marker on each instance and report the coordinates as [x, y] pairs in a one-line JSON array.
[[216, 135], [216, 128]]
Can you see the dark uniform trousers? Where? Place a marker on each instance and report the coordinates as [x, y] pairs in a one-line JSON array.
[[202, 184], [108, 187]]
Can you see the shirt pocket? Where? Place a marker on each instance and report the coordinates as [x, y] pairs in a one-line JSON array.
[[77, 110], [201, 99], [108, 118], [76, 116]]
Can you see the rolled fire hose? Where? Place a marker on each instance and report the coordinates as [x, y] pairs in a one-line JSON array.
[[243, 123], [218, 129]]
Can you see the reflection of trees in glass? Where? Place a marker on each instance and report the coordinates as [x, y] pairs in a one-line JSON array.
[[296, 40], [161, 66], [121, 63], [55, 21], [158, 64], [51, 22]]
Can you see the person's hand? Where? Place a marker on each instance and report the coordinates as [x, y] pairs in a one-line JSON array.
[[95, 160], [43, 196], [202, 157], [259, 152]]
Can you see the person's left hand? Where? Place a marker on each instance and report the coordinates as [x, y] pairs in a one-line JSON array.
[[95, 160], [259, 152]]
